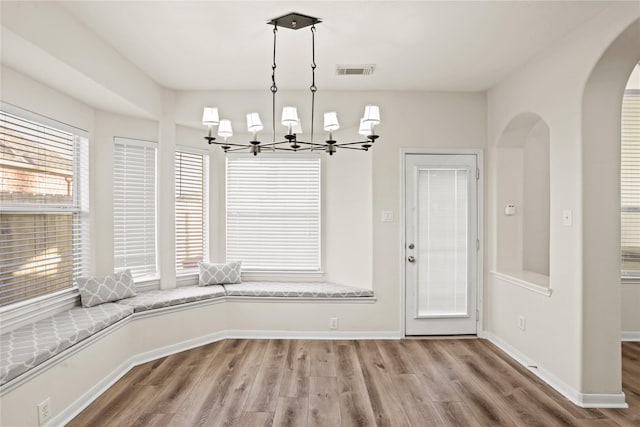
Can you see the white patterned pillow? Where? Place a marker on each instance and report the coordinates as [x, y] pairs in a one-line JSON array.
[[218, 274], [95, 290]]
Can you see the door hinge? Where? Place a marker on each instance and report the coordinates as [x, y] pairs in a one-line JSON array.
[[477, 244], [478, 174], [477, 315]]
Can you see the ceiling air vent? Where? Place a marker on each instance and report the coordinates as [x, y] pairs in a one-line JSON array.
[[355, 70]]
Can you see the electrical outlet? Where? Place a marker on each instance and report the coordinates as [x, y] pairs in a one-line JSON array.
[[44, 411], [333, 323], [522, 322]]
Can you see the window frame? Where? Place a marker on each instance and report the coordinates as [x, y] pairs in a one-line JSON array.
[[181, 273], [627, 276], [151, 279], [23, 312], [271, 274]]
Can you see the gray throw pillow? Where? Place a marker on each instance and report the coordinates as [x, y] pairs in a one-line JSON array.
[[95, 290], [219, 274]]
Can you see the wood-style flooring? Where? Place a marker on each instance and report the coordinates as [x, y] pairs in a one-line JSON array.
[[431, 382]]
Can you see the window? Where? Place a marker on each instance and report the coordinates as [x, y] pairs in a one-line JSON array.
[[44, 206], [134, 205], [630, 184], [192, 176], [273, 213]]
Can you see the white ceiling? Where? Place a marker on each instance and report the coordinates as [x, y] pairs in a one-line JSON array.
[[416, 45]]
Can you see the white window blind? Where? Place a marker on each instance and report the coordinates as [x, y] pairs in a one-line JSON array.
[[630, 184], [443, 230], [192, 172], [134, 204], [273, 213], [44, 208]]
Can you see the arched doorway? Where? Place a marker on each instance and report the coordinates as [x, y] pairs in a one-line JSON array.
[[601, 114]]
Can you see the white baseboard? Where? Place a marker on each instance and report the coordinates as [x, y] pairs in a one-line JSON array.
[[316, 335], [584, 400], [593, 400], [92, 394], [631, 336]]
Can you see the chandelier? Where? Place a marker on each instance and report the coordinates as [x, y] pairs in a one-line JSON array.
[[289, 118]]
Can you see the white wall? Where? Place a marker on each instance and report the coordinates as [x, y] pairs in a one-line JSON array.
[[26, 93], [107, 127], [44, 41], [552, 86], [600, 127], [535, 180]]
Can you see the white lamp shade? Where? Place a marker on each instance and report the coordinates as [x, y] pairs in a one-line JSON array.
[[297, 129], [254, 124], [331, 121], [289, 116], [224, 129], [365, 128], [210, 116], [372, 114]]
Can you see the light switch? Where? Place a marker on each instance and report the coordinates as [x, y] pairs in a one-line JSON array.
[[567, 217], [387, 216]]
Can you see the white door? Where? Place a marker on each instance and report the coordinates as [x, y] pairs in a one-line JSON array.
[[441, 251]]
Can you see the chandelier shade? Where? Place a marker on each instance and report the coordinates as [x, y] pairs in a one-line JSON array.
[[210, 116], [331, 121], [365, 128], [289, 116], [254, 124], [372, 114], [224, 129], [290, 119]]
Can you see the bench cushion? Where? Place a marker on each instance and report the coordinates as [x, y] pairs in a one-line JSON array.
[[218, 274], [96, 290], [149, 300], [28, 346], [297, 289]]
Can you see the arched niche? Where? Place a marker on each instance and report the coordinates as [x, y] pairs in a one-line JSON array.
[[523, 194]]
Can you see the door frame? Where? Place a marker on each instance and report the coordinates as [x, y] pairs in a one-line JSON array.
[[403, 229]]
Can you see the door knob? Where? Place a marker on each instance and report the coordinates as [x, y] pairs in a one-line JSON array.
[[411, 259]]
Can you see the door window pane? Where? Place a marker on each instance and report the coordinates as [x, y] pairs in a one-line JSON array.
[[443, 220]]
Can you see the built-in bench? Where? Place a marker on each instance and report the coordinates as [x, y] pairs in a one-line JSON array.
[[30, 345]]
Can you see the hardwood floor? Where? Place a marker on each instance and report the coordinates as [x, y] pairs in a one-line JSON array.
[[434, 382]]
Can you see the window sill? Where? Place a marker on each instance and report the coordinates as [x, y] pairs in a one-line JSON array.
[[190, 278], [285, 276], [15, 316], [187, 279], [533, 282], [147, 284]]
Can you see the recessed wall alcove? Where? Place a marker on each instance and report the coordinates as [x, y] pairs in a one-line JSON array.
[[523, 193]]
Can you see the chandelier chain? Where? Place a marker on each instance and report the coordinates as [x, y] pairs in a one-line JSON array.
[[313, 88], [274, 87]]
